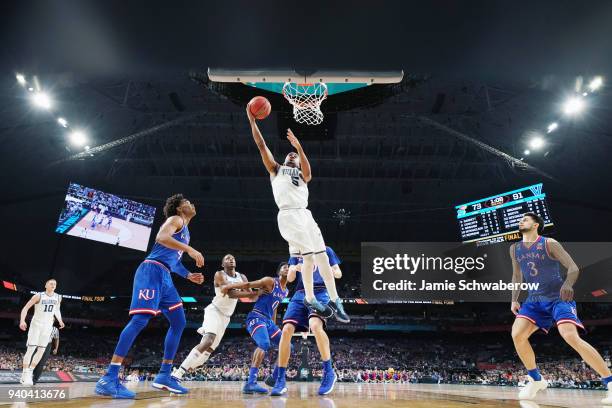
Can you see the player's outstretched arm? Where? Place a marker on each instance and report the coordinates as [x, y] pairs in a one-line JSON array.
[[304, 163], [164, 237], [222, 283], [266, 284], [266, 155], [24, 312], [556, 251], [517, 277]]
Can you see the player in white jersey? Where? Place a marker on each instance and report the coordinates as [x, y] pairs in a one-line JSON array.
[[217, 316], [295, 221], [46, 309]]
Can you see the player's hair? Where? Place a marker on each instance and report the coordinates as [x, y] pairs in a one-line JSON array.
[[172, 203], [49, 280], [537, 219], [280, 266]]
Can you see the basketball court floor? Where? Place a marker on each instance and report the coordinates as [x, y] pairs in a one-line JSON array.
[[345, 395]]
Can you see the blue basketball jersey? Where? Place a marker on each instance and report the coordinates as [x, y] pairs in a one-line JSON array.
[[171, 257], [267, 303], [538, 267], [317, 279]]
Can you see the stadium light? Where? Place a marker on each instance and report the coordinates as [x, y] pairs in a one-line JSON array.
[[86, 147], [573, 106], [596, 83], [78, 138], [527, 152], [63, 122], [21, 79], [552, 127], [536, 143], [41, 100]]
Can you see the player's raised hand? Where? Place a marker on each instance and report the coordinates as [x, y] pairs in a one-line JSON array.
[[515, 307], [293, 140], [197, 278], [566, 292], [197, 257], [23, 326], [61, 325]]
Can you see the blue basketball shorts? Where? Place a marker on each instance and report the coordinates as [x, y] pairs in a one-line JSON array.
[[262, 330], [545, 314], [153, 290], [298, 315]]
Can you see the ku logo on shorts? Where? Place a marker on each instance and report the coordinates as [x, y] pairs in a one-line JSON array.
[[146, 294]]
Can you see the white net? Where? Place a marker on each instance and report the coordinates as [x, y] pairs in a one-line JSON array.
[[306, 100]]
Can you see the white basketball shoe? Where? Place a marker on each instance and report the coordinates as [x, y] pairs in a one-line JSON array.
[[531, 389]]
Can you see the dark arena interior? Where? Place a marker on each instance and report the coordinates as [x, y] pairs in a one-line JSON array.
[[109, 108]]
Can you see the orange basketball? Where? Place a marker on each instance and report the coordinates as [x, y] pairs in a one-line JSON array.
[[260, 107]]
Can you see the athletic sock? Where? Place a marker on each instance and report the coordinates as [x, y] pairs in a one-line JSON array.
[[327, 365], [282, 371], [253, 375], [113, 370], [165, 368], [275, 372], [606, 380], [535, 374]]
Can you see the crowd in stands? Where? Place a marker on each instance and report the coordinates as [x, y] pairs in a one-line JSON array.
[[480, 359], [117, 207]]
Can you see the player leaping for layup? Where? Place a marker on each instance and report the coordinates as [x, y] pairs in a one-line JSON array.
[[295, 222], [536, 260], [154, 293]]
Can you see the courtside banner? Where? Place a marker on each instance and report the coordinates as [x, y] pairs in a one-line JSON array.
[[441, 272]]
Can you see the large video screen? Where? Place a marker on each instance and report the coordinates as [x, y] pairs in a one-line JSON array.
[[495, 219], [104, 217]]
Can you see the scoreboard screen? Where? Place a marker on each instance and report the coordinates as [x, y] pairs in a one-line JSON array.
[[495, 219]]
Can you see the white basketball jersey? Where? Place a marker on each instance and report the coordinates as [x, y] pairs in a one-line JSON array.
[[289, 188], [44, 310], [224, 303]]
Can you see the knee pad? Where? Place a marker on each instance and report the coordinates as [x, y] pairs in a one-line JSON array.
[[264, 345], [177, 318], [139, 321]]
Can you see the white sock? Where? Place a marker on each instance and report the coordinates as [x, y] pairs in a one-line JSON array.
[[194, 359], [307, 279], [322, 262]]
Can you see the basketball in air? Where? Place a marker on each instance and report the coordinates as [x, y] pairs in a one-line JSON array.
[[260, 107]]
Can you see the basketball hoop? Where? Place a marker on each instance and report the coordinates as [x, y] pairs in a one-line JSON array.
[[306, 100]]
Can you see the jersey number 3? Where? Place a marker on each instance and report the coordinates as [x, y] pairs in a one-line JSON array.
[[48, 308], [533, 270]]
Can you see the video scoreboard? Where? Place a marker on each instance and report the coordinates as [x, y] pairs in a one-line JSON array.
[[495, 219]]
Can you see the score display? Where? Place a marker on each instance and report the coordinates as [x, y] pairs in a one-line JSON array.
[[495, 219]]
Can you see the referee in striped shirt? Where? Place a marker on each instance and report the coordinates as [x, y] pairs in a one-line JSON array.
[[53, 344]]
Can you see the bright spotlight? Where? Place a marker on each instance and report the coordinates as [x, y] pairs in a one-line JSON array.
[[527, 152], [596, 83], [21, 79], [573, 106], [552, 127], [78, 138], [41, 100], [536, 143], [63, 122], [86, 147]]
